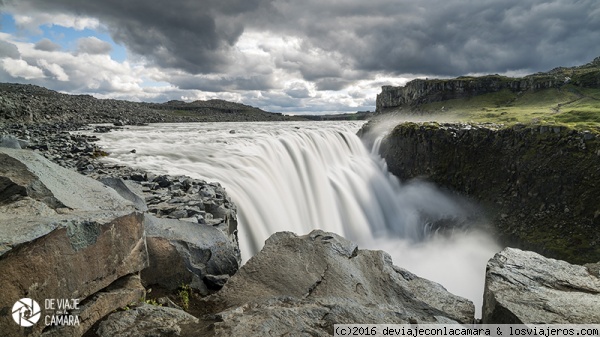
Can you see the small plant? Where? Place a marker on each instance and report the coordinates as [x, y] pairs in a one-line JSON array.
[[184, 296], [153, 302]]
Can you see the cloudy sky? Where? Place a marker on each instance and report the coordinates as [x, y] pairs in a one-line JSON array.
[[291, 56]]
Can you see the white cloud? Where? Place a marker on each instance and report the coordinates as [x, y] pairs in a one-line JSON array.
[[33, 20], [76, 73], [20, 68], [55, 70]]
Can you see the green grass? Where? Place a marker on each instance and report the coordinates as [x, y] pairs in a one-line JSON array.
[[570, 105]]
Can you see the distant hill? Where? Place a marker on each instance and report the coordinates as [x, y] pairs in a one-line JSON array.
[[354, 116], [561, 95], [21, 103]]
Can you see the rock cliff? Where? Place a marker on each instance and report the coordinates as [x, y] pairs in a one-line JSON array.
[[303, 285], [421, 91], [540, 184]]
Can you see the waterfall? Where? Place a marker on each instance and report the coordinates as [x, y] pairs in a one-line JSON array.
[[303, 176]]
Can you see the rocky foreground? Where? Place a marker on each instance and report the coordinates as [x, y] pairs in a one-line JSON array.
[[150, 255]]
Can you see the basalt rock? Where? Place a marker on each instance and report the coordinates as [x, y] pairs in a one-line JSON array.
[[119, 294], [146, 321], [539, 184], [125, 190], [197, 254], [525, 287], [62, 236], [423, 91], [305, 284]]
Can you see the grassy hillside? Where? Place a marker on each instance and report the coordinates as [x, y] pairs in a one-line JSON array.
[[569, 105], [566, 96]]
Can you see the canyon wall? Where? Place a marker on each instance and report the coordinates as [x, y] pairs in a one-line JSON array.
[[540, 185], [422, 91]]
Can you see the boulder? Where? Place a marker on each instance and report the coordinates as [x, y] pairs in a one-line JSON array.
[[145, 321], [126, 190], [119, 294], [11, 142], [62, 236], [525, 287], [25, 173], [197, 254], [306, 284]]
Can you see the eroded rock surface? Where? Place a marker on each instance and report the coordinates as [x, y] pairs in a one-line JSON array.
[[525, 287], [145, 321], [305, 284], [62, 236], [197, 254]]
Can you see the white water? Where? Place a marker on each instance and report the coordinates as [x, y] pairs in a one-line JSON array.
[[307, 175]]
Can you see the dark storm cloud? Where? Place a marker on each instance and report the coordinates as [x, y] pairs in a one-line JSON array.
[[47, 45], [223, 83], [342, 40], [452, 37], [195, 36]]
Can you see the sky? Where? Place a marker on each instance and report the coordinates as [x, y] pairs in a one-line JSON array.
[[289, 56]]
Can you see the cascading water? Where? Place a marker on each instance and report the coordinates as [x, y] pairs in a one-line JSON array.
[[302, 176]]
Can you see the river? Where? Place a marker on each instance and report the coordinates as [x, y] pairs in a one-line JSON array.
[[299, 176]]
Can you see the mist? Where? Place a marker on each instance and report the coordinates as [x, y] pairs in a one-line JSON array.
[[303, 176]]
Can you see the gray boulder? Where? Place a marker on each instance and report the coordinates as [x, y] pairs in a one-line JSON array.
[[12, 142], [306, 284], [126, 190], [525, 287], [145, 321], [119, 294], [197, 254], [27, 174], [62, 236]]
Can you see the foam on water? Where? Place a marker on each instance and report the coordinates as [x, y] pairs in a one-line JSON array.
[[302, 176]]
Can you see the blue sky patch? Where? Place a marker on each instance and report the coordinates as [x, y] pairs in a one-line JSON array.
[[66, 37]]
